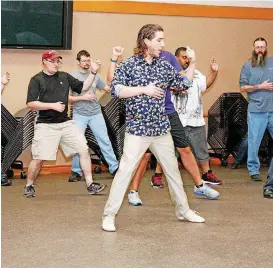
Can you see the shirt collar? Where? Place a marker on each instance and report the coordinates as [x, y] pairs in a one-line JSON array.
[[142, 60]]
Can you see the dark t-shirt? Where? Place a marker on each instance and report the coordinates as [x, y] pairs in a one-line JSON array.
[[52, 88]]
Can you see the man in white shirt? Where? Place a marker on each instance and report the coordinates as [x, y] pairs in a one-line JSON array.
[[189, 106]]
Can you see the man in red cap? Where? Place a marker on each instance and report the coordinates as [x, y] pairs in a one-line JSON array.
[[48, 94]]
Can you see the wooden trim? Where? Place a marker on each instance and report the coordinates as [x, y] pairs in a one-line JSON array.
[[66, 169], [58, 169], [166, 9]]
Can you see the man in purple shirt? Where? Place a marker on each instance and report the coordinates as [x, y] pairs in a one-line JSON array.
[[182, 146]]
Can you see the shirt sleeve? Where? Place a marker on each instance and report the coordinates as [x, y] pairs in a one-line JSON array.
[[175, 63], [177, 81], [75, 84], [33, 90], [244, 76], [101, 83], [202, 81], [119, 80]]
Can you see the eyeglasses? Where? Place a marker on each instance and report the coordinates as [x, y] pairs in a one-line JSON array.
[[84, 61], [262, 47], [54, 61]]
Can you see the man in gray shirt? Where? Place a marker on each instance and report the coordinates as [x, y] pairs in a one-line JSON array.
[[257, 80], [87, 112]]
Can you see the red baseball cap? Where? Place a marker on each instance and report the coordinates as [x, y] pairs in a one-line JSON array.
[[50, 54]]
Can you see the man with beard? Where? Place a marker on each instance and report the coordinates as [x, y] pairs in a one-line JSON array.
[[190, 109], [143, 80], [87, 112], [257, 80]]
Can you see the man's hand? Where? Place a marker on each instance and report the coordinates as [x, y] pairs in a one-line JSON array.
[[89, 97], [117, 51], [213, 65], [58, 106], [154, 91], [107, 89], [95, 65], [5, 78], [191, 55], [266, 85]]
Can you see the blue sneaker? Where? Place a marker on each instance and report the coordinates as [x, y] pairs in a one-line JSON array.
[[206, 191]]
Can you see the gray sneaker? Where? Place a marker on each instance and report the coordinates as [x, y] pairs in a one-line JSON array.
[[256, 177], [29, 191], [206, 191], [95, 188], [134, 198]]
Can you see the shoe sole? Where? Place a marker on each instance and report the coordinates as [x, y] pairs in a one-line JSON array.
[[181, 218], [210, 198], [100, 190], [213, 183], [109, 231], [196, 221], [8, 184], [29, 196], [157, 187], [135, 204]]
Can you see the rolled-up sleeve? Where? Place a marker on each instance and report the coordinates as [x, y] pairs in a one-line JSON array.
[[119, 80], [179, 82], [244, 76]]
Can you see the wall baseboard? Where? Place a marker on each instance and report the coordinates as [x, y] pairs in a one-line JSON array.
[[67, 168], [58, 169]]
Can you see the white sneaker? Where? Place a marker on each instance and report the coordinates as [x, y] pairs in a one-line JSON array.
[[191, 216], [206, 191], [134, 199], [108, 223]]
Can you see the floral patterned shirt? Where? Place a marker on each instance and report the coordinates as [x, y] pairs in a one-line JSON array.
[[145, 115]]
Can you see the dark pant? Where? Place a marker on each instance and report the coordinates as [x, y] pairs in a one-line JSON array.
[[178, 133], [269, 183], [241, 156]]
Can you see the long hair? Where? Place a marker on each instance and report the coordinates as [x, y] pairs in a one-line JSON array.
[[254, 59], [147, 31]]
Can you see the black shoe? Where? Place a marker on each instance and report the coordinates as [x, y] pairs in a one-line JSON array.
[[256, 177], [268, 193], [95, 188], [235, 166], [6, 182], [210, 178], [74, 177]]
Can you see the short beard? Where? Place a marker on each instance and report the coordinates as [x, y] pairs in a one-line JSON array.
[[258, 60]]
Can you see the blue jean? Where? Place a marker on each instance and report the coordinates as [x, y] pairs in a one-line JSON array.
[[269, 183], [257, 124], [98, 127], [242, 151]]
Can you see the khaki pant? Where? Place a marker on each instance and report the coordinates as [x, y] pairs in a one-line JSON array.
[[48, 137], [134, 148]]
